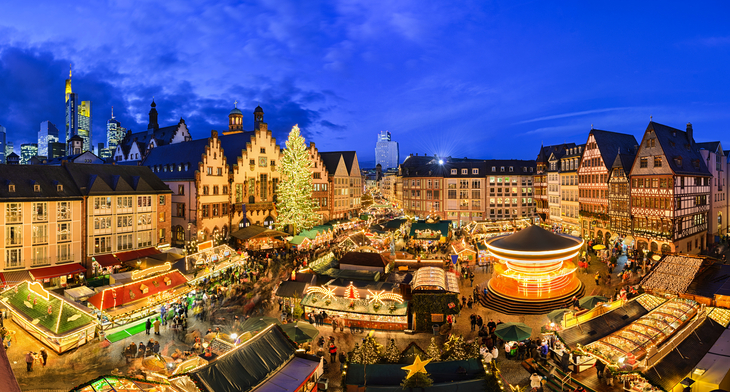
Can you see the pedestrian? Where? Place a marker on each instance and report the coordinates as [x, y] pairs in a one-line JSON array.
[[600, 366], [44, 356], [470, 302], [473, 321], [148, 326], [29, 358], [471, 279], [333, 353], [480, 321], [140, 350], [157, 326], [150, 347], [156, 347], [463, 301], [597, 277], [535, 381]]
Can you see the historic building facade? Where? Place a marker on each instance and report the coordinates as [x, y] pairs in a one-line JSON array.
[[600, 152], [716, 161], [320, 184], [569, 221], [135, 146], [553, 186], [345, 183], [670, 191], [542, 200], [619, 194]]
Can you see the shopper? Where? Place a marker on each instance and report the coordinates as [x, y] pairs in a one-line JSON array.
[[44, 356], [148, 325], [29, 358]]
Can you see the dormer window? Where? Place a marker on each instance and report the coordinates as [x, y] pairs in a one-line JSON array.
[[11, 188], [474, 171], [696, 163], [511, 169], [501, 168], [36, 188], [494, 168], [464, 171], [678, 161], [453, 171], [59, 188]]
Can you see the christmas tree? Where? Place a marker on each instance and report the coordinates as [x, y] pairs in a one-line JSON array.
[[433, 351], [294, 204], [419, 380], [356, 356], [392, 354], [457, 348], [368, 353]]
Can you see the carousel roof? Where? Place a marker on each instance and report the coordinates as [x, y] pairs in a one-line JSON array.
[[534, 239], [428, 277]]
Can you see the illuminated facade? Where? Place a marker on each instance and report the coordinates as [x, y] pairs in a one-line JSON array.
[[569, 205], [28, 151], [114, 133], [542, 201], [535, 267], [78, 117], [345, 183], [47, 134], [320, 184]]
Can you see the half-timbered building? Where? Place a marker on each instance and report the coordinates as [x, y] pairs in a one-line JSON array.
[[619, 194], [598, 157], [670, 191]]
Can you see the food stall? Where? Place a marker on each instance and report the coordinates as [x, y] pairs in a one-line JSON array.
[[363, 307], [464, 251], [59, 324], [139, 296], [629, 345], [319, 234]]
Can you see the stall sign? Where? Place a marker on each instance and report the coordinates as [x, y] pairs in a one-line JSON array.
[[214, 257], [149, 271], [226, 253], [38, 289], [205, 245], [63, 280]]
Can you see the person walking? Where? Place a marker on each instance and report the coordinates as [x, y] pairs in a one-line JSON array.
[[473, 321], [29, 358], [600, 366], [148, 326], [598, 278], [140, 350], [44, 356], [157, 326], [333, 353]]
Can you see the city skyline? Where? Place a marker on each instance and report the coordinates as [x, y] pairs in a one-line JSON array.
[[533, 71]]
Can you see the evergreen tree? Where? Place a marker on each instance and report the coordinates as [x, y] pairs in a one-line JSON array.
[[419, 380], [356, 356], [294, 205], [392, 354], [433, 351], [456, 348], [369, 352]]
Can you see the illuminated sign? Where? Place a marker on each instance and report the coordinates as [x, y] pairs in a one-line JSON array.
[[37, 288], [328, 293], [149, 271], [205, 245], [383, 296]]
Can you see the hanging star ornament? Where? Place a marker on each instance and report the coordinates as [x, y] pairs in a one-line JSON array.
[[417, 367]]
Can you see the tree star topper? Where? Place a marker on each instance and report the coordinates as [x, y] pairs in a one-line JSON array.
[[417, 367]]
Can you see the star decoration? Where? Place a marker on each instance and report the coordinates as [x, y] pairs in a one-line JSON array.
[[417, 367]]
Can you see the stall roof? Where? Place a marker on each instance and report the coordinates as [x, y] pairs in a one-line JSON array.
[[391, 374], [8, 383], [298, 239], [291, 289], [290, 377], [79, 292], [440, 226], [132, 291], [248, 365], [107, 260], [393, 224], [114, 383], [253, 231], [11, 278], [365, 259], [314, 231], [136, 254], [715, 363], [674, 273], [710, 281], [56, 271], [435, 277]]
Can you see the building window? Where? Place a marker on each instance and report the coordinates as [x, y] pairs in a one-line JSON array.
[[658, 161], [643, 162], [124, 202], [215, 210], [181, 189], [63, 210], [12, 258], [453, 171], [205, 189], [59, 188], [215, 189], [63, 253], [63, 233], [162, 237], [102, 204], [501, 168], [125, 222], [180, 207], [102, 245], [13, 235], [162, 216], [39, 255], [263, 150], [219, 171], [144, 239], [210, 171], [206, 211], [239, 193], [13, 213], [225, 189], [162, 200], [101, 223], [11, 188], [124, 242], [144, 219], [464, 171], [224, 209], [36, 188]]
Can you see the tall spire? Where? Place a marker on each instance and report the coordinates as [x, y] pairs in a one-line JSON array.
[[70, 67], [68, 83]]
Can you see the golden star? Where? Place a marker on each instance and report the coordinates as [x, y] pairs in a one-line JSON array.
[[417, 367]]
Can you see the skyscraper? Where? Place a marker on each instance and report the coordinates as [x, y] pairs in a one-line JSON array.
[[2, 144], [114, 133], [8, 149], [78, 118], [47, 134], [386, 151], [27, 151]]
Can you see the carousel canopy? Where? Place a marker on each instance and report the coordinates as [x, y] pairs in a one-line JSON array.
[[253, 232], [534, 239]]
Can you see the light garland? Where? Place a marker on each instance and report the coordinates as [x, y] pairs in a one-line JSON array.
[[327, 292], [383, 296]]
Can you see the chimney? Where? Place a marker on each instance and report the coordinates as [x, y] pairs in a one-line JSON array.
[[690, 133]]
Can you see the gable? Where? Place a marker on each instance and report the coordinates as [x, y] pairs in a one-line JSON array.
[[648, 152]]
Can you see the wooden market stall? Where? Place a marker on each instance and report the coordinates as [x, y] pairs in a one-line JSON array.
[[61, 325], [256, 238]]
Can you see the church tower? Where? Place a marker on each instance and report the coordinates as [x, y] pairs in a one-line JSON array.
[[153, 117], [258, 118], [235, 119]]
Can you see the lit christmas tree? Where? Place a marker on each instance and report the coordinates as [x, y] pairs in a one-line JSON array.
[[433, 351], [456, 348], [294, 204], [368, 353], [392, 354]]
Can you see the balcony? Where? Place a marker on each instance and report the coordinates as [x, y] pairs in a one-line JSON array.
[[260, 206]]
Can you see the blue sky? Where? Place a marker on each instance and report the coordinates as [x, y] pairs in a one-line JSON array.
[[475, 79]]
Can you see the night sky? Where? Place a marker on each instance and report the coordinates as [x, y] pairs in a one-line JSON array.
[[468, 79]]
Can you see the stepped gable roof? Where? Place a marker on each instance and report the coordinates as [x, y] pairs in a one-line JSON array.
[[100, 179], [332, 158], [534, 239], [24, 177], [609, 144], [676, 144]]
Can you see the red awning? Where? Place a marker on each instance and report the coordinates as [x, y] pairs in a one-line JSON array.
[[148, 252], [56, 271], [107, 260], [126, 256], [2, 280]]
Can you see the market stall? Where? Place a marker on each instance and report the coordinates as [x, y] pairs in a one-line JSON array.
[[207, 254], [59, 324], [629, 345], [319, 234], [427, 231], [256, 238], [673, 274], [140, 296], [64, 275], [358, 306], [464, 252]]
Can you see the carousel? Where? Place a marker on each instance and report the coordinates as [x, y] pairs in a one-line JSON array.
[[535, 270]]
